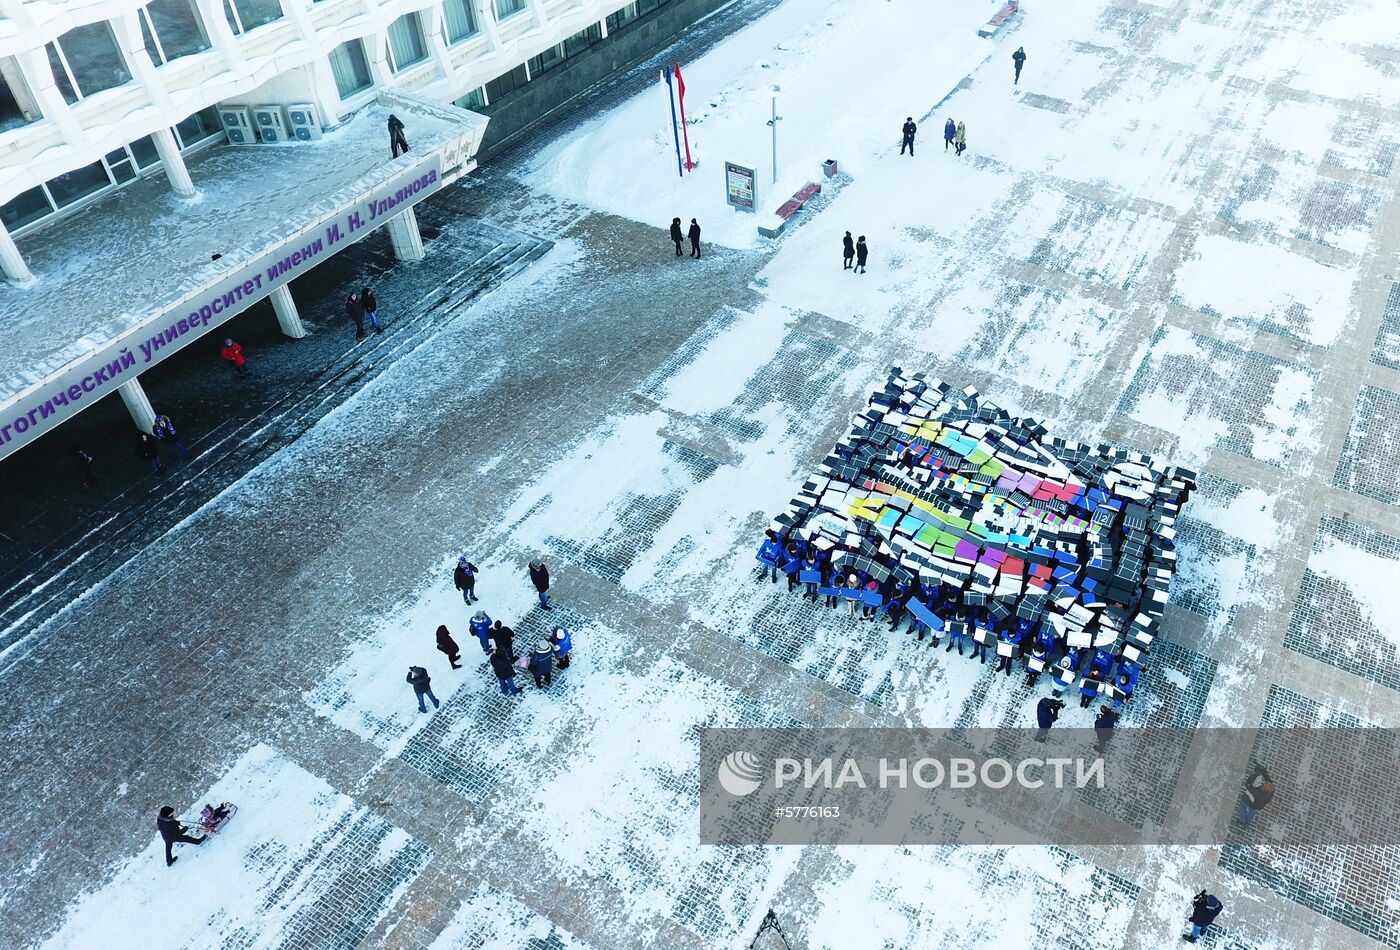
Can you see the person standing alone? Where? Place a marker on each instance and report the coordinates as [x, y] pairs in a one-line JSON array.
[[848, 251], [464, 579], [539, 576], [676, 234], [1019, 58], [448, 646], [862, 252], [422, 685], [694, 235], [397, 142], [233, 355], [908, 141]]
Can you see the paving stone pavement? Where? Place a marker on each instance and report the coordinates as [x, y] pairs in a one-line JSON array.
[[219, 634]]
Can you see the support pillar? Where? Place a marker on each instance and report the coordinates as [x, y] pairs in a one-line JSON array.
[[138, 405], [173, 163], [11, 261], [404, 234], [287, 316]]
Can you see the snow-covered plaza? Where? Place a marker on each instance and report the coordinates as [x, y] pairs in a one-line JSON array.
[[1177, 233]]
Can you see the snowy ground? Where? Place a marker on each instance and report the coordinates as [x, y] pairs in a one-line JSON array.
[[1141, 245]]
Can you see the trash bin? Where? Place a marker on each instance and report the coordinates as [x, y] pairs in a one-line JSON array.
[[829, 168]]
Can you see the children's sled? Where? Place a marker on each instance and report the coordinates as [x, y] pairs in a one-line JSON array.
[[211, 821]]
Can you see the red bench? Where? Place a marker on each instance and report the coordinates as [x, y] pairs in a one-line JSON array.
[[790, 207], [998, 21]]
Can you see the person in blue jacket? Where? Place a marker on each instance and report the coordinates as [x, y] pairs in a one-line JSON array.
[[1204, 909], [957, 636], [769, 554], [1125, 683], [811, 563], [1013, 636], [1100, 669], [949, 130], [895, 599], [563, 646], [791, 563], [1065, 672], [979, 650], [541, 664], [481, 629]]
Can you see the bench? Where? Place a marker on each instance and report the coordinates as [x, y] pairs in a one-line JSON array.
[[998, 21], [790, 207]]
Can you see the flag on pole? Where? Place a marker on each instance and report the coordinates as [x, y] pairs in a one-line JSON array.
[[680, 94], [675, 133]]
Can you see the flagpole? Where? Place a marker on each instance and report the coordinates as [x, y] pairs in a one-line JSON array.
[[675, 134]]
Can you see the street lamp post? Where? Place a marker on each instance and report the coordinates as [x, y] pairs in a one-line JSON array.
[[773, 124]]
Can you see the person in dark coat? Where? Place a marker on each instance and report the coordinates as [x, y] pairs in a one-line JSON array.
[[164, 431], [233, 355], [503, 638], [848, 251], [149, 449], [1204, 909], [371, 305], [85, 464], [1047, 711], [694, 235], [676, 234], [172, 832], [356, 311], [464, 578], [481, 629], [504, 668], [908, 141], [541, 663], [1019, 58], [862, 252], [397, 143], [539, 576], [563, 646], [949, 130], [1103, 728], [422, 686], [1258, 791], [448, 646]]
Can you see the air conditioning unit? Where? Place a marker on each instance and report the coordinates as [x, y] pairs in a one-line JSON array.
[[304, 122], [238, 123], [272, 125]]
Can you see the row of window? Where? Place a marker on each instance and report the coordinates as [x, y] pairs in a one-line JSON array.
[[112, 170]]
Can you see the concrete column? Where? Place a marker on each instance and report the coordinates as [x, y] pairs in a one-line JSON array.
[[11, 261], [173, 162], [403, 233], [138, 405], [287, 316]]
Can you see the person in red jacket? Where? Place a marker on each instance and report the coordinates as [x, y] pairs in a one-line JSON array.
[[448, 646], [233, 353]]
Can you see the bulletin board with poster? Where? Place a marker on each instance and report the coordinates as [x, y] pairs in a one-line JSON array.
[[740, 190]]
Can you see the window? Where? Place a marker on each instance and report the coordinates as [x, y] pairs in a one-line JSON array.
[[621, 18], [144, 151], [16, 107], [85, 60], [78, 184], [171, 29], [460, 19], [582, 40], [26, 208], [476, 99], [244, 15], [202, 125], [547, 60], [501, 85], [406, 45], [505, 8], [350, 68]]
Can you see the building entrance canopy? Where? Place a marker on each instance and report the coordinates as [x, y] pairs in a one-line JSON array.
[[134, 279]]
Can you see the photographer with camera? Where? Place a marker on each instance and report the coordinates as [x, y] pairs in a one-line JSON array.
[[1204, 909]]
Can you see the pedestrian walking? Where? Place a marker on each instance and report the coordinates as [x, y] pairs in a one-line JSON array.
[[1019, 58], [422, 685], [950, 131], [908, 140], [503, 640], [1103, 728], [356, 311], [164, 431], [448, 646], [848, 251], [862, 252], [541, 664], [539, 576], [173, 832], [371, 305], [85, 465], [1047, 712], [504, 668], [694, 235], [397, 142], [1204, 909], [464, 578], [1257, 792], [233, 355], [563, 646], [481, 629], [676, 234], [149, 449], [960, 139]]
